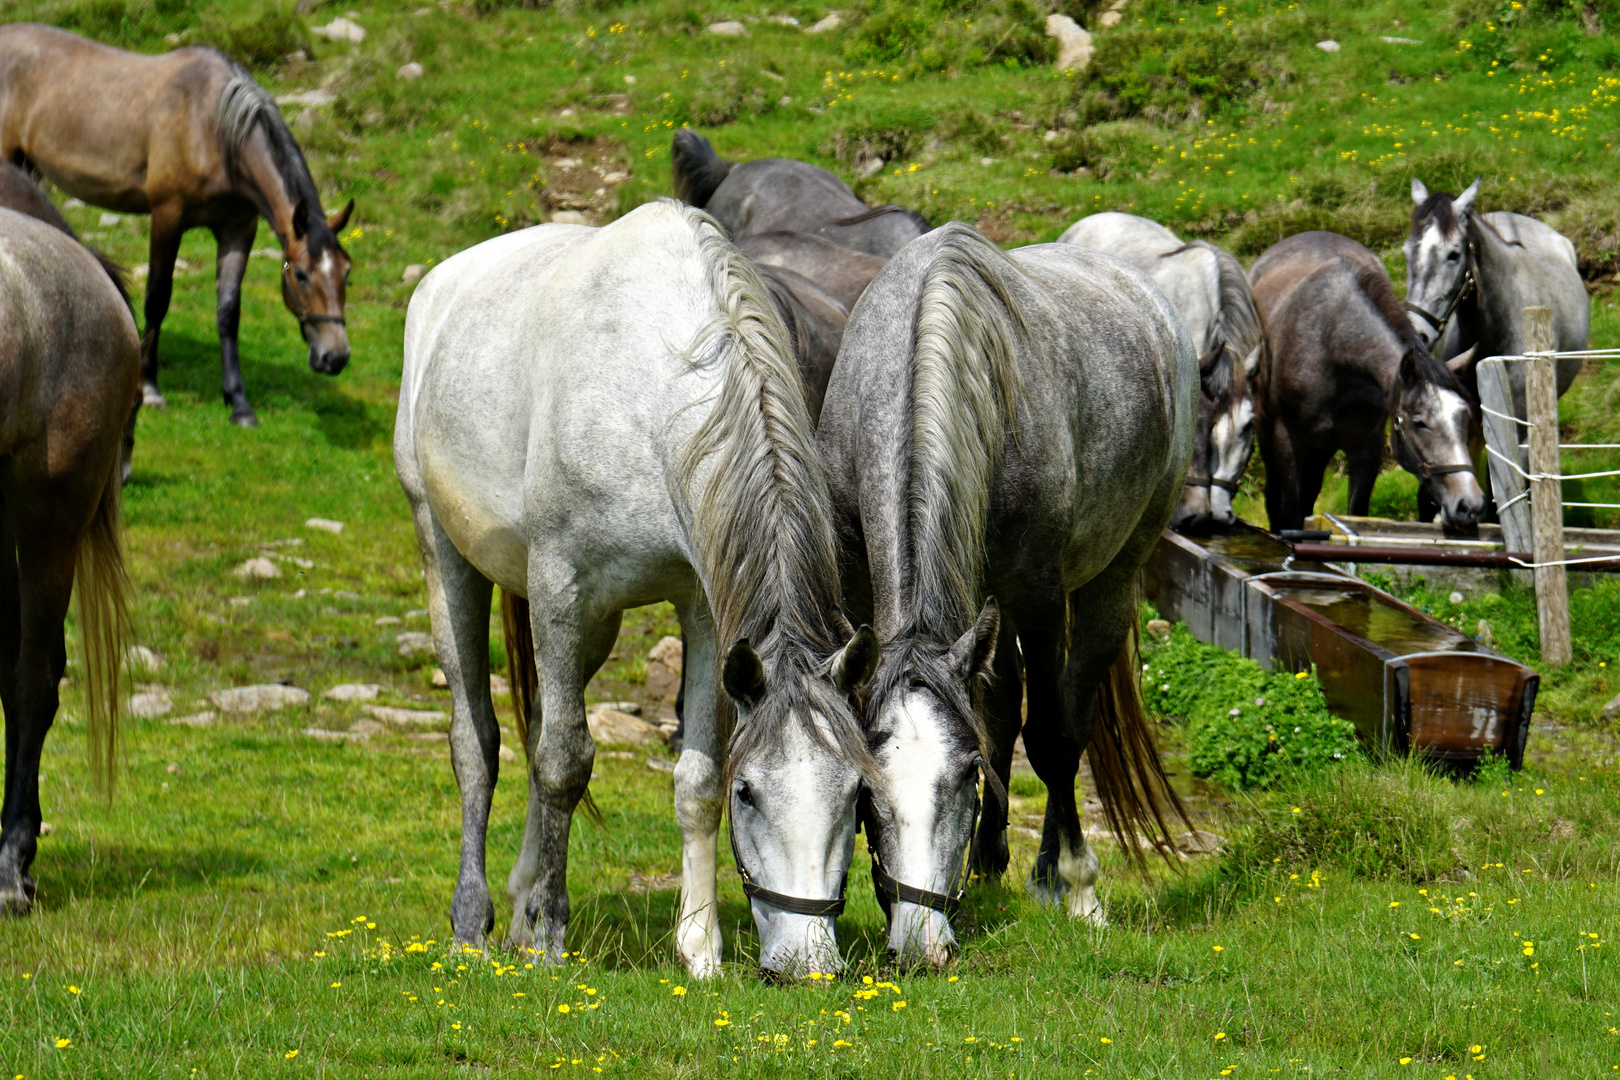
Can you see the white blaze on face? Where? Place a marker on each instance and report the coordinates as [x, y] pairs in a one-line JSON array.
[[1433, 276], [1460, 488], [1232, 441]]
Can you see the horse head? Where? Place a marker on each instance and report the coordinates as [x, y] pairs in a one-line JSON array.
[[1224, 440], [314, 278], [1432, 415], [1438, 260], [796, 767], [930, 746]]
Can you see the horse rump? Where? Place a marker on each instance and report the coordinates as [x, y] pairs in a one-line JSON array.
[[697, 169], [1126, 768]]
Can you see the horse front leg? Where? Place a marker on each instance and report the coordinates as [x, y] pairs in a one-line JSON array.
[[235, 241], [1363, 471], [699, 800], [163, 248]]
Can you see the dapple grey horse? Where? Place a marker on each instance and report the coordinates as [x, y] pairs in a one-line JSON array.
[[1017, 426], [596, 419], [1471, 275], [1343, 360], [1208, 286]]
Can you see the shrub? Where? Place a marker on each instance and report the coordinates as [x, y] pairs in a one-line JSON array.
[[259, 43], [1111, 151], [935, 35], [125, 23], [723, 98], [1247, 727], [890, 136]]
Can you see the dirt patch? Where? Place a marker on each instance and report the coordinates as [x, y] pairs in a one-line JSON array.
[[999, 227], [648, 883], [580, 178]]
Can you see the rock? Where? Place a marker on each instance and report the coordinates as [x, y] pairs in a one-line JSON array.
[[782, 20], [658, 764], [1612, 709], [365, 726], [1398, 40], [240, 601], [613, 726], [335, 736], [353, 692], [109, 220], [46, 828], [345, 594], [259, 567], [1456, 598], [140, 658], [340, 29], [309, 99], [387, 620], [570, 217], [325, 525], [73, 204], [440, 680], [1109, 19], [729, 28], [1199, 842], [1328, 46], [498, 685], [416, 613], [271, 696], [414, 642], [1050, 136], [629, 80], [406, 717], [413, 273], [987, 161], [412, 70], [831, 22], [150, 704], [668, 652], [1159, 628], [199, 720], [509, 755], [631, 707], [661, 681], [1074, 42], [173, 768], [870, 167]]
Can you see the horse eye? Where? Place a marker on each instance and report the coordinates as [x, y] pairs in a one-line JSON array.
[[1454, 256], [744, 794], [301, 277]]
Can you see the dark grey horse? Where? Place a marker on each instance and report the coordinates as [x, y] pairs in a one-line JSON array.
[[815, 323], [1483, 270], [1015, 425], [841, 272], [1343, 360], [781, 194]]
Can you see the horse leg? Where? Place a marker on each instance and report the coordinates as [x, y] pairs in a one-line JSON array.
[[10, 640], [163, 249], [520, 882], [1364, 474], [1313, 467], [44, 576], [1282, 478], [235, 240], [698, 798], [458, 604], [1003, 703]]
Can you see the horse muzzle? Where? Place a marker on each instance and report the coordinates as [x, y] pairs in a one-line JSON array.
[[920, 936], [331, 361], [795, 946]]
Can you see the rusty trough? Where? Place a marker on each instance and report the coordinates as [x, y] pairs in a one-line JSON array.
[[1407, 681]]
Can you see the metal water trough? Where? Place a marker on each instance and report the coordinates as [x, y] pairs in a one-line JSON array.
[[1407, 681]]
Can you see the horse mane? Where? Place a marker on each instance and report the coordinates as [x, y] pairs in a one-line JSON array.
[[245, 105], [1238, 325], [762, 524], [1374, 282], [1437, 206], [965, 386]]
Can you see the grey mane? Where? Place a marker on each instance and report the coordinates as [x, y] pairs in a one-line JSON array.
[[1375, 284], [245, 105], [965, 387], [1237, 328], [762, 525]]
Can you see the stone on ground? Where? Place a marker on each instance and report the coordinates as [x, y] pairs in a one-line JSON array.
[[1612, 709], [1074, 43], [413, 273], [150, 703], [340, 29], [387, 620], [353, 692], [412, 70], [831, 22], [1159, 628], [199, 720], [1199, 842], [389, 714], [570, 217], [259, 568], [1328, 46], [109, 220], [310, 99], [509, 755], [271, 696], [366, 726], [140, 658], [325, 525], [729, 28], [612, 726], [335, 736], [414, 642]]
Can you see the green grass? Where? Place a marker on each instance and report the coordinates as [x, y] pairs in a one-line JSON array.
[[189, 913]]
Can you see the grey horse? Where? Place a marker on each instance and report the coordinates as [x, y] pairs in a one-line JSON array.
[[1006, 436], [596, 419], [1208, 286], [1343, 361], [1471, 275], [784, 195]]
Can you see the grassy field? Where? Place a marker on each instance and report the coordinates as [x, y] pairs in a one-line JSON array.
[[259, 902]]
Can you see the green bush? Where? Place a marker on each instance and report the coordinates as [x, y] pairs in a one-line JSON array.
[[124, 23], [1247, 727], [892, 136], [937, 35], [1111, 151], [259, 43]]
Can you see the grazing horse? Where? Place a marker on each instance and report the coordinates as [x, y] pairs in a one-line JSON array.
[[189, 138], [596, 419], [1469, 277], [781, 194], [815, 325], [1006, 436], [1343, 360], [69, 375], [843, 273], [1208, 286]]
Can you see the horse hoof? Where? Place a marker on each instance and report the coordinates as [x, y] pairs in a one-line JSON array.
[[151, 398], [16, 901], [245, 419]]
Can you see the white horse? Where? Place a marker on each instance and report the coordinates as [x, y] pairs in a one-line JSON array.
[[1210, 290], [596, 419]]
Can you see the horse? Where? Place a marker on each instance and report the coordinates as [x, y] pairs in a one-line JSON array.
[[1007, 434], [1469, 277], [842, 273], [596, 419], [1210, 289], [69, 374], [1344, 359], [189, 138], [784, 195], [815, 325]]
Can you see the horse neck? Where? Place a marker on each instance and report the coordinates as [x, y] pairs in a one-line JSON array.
[[260, 178], [1493, 308]]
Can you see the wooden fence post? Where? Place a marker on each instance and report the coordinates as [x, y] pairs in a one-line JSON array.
[[1546, 492]]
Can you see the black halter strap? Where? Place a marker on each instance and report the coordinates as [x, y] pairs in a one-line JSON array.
[[1425, 470], [306, 317], [1213, 481], [1439, 321], [796, 904], [890, 890]]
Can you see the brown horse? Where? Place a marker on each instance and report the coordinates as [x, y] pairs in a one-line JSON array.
[[191, 139], [69, 374]]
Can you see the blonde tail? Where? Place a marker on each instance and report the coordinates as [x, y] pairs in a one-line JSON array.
[[104, 628]]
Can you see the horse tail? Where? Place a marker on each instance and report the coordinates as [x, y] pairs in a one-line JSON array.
[[965, 388], [522, 676], [104, 626], [1126, 768], [698, 169]]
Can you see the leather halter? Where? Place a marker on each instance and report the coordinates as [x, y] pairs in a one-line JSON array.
[[1213, 481], [1439, 321], [891, 889], [304, 315], [1401, 440], [796, 904]]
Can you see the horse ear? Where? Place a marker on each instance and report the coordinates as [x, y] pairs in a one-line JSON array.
[[1206, 370], [1251, 363], [743, 675], [1463, 202], [975, 650], [1409, 368], [1463, 361], [300, 219], [856, 662], [338, 220], [1420, 194]]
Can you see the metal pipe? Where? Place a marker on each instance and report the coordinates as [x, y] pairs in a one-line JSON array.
[[1404, 556]]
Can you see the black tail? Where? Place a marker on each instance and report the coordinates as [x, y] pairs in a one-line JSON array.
[[698, 169]]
